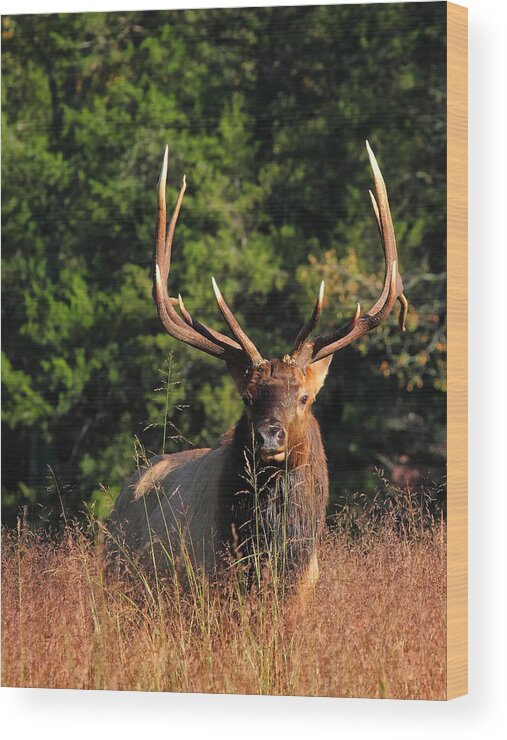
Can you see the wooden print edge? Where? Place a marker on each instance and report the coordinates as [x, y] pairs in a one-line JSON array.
[[457, 306]]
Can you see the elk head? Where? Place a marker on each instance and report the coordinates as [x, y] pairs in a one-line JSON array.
[[278, 393]]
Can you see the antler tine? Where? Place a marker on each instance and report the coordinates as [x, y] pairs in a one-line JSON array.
[[214, 344], [377, 214], [403, 311], [310, 325], [166, 262], [385, 226], [186, 316], [205, 331], [331, 342], [402, 299], [247, 344]]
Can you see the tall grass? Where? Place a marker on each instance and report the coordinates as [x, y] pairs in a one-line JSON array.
[[373, 627]]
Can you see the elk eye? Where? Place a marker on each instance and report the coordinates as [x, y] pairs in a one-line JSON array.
[[303, 400], [247, 400]]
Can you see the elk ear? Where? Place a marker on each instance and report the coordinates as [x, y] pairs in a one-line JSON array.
[[239, 373], [317, 372]]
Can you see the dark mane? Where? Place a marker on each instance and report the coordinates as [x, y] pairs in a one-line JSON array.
[[263, 509]]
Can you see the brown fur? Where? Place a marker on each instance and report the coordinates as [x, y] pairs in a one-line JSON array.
[[226, 502]]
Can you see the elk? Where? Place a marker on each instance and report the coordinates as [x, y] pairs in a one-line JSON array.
[[264, 485]]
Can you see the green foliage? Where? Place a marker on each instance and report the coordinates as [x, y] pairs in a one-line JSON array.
[[266, 111]]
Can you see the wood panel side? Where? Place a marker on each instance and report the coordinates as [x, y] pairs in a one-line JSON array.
[[457, 306]]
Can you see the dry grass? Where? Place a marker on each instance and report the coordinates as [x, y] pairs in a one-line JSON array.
[[374, 627]]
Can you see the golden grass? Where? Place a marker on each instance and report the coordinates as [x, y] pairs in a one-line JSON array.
[[374, 627]]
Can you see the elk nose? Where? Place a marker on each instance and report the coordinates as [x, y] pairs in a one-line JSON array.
[[271, 436]]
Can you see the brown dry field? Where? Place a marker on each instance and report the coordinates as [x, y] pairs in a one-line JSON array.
[[373, 627]]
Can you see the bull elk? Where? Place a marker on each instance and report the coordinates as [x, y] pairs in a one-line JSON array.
[[264, 485]]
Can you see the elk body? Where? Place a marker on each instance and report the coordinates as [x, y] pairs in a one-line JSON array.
[[261, 492]]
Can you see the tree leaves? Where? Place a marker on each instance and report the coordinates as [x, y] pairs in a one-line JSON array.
[[266, 111]]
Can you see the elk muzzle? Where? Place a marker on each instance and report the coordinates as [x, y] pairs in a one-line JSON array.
[[271, 438]]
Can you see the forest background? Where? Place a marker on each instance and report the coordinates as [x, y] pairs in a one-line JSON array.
[[266, 111]]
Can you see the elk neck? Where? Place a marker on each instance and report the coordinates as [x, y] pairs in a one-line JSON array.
[[289, 498]]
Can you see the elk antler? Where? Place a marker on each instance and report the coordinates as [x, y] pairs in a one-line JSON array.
[[188, 329], [310, 325], [324, 345]]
